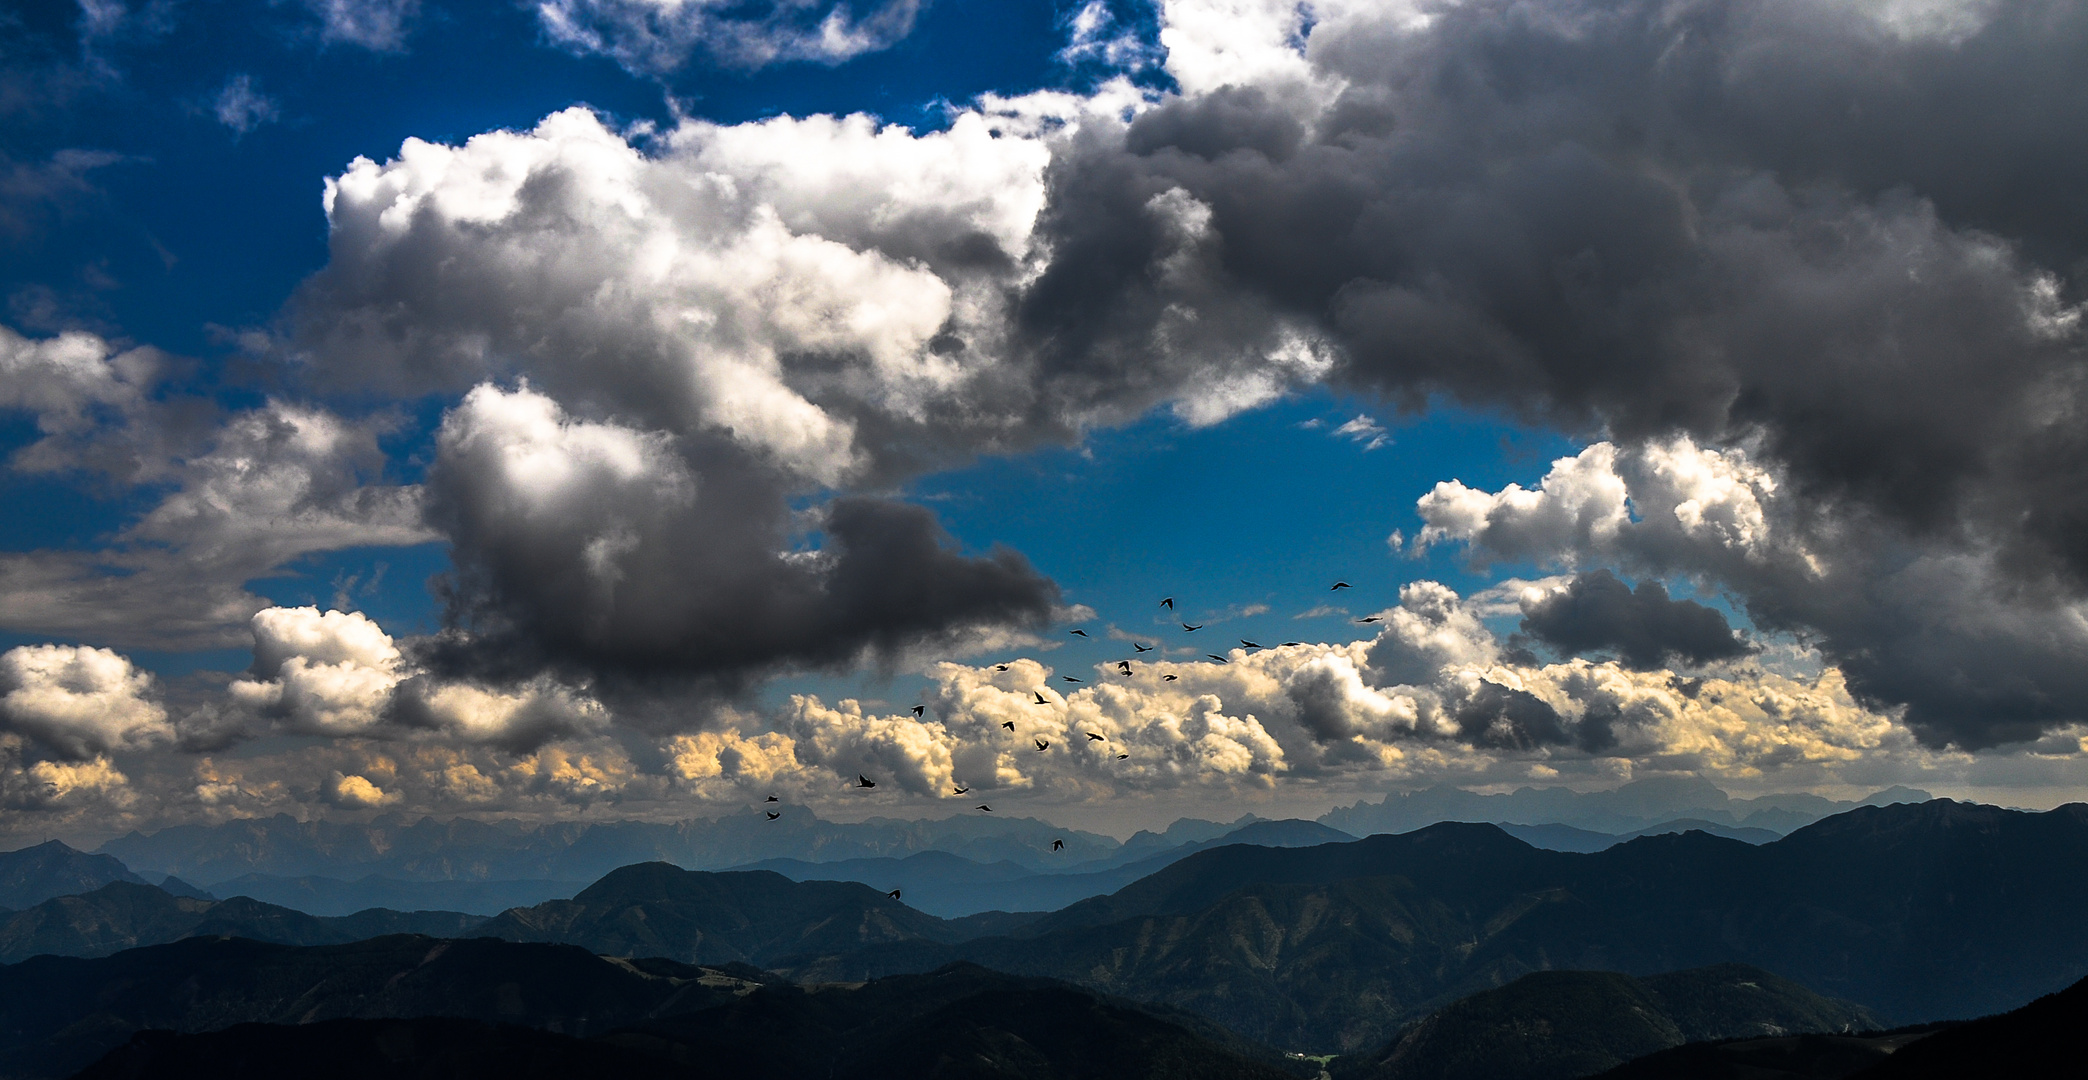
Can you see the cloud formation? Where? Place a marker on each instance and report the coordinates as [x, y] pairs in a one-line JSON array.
[[1642, 626]]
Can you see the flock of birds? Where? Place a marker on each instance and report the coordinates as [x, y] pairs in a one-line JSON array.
[[1123, 668]]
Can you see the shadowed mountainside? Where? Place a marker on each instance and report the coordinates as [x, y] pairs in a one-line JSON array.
[[1559, 1025], [59, 1013], [124, 915], [653, 909], [1919, 912]]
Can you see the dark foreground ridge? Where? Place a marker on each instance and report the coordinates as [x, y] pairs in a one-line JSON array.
[[956, 1023], [1556, 1025], [2040, 1041]]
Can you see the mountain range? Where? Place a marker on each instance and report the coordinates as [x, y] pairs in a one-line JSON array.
[[462, 849], [124, 915]]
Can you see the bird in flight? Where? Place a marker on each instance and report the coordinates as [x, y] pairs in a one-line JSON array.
[[1040, 698], [1370, 618], [1250, 644], [1218, 658], [1121, 757], [894, 894], [1288, 644], [1167, 678], [919, 709], [1000, 667], [1341, 585], [1009, 724], [1069, 678], [983, 806], [1168, 603], [1141, 648], [1124, 666], [1094, 736], [1057, 844], [864, 781], [772, 798], [1042, 745], [1082, 633], [773, 815], [1192, 629], [960, 791]]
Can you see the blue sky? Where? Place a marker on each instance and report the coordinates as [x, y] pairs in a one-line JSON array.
[[1468, 329]]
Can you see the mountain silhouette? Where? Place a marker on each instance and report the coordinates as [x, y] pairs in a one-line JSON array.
[[124, 915], [32, 875]]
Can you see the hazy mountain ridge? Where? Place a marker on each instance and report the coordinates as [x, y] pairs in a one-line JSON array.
[[32, 875], [428, 849], [464, 849], [1620, 811], [332, 896], [125, 915], [951, 886], [1559, 1025]]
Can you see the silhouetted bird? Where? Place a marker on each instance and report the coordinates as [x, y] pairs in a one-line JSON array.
[[1121, 757], [1168, 603], [1167, 678], [1069, 678], [1000, 667], [864, 781], [1094, 736], [1041, 745], [773, 815], [1370, 618], [1009, 724], [1249, 644], [1057, 844], [1040, 698], [894, 894], [1082, 633], [983, 806], [1218, 658], [1124, 666], [1341, 585], [1141, 648], [960, 791], [1192, 629], [919, 709], [1288, 644], [772, 798]]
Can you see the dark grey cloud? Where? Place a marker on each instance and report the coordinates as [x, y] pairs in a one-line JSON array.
[[597, 551], [1642, 626], [1833, 234]]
